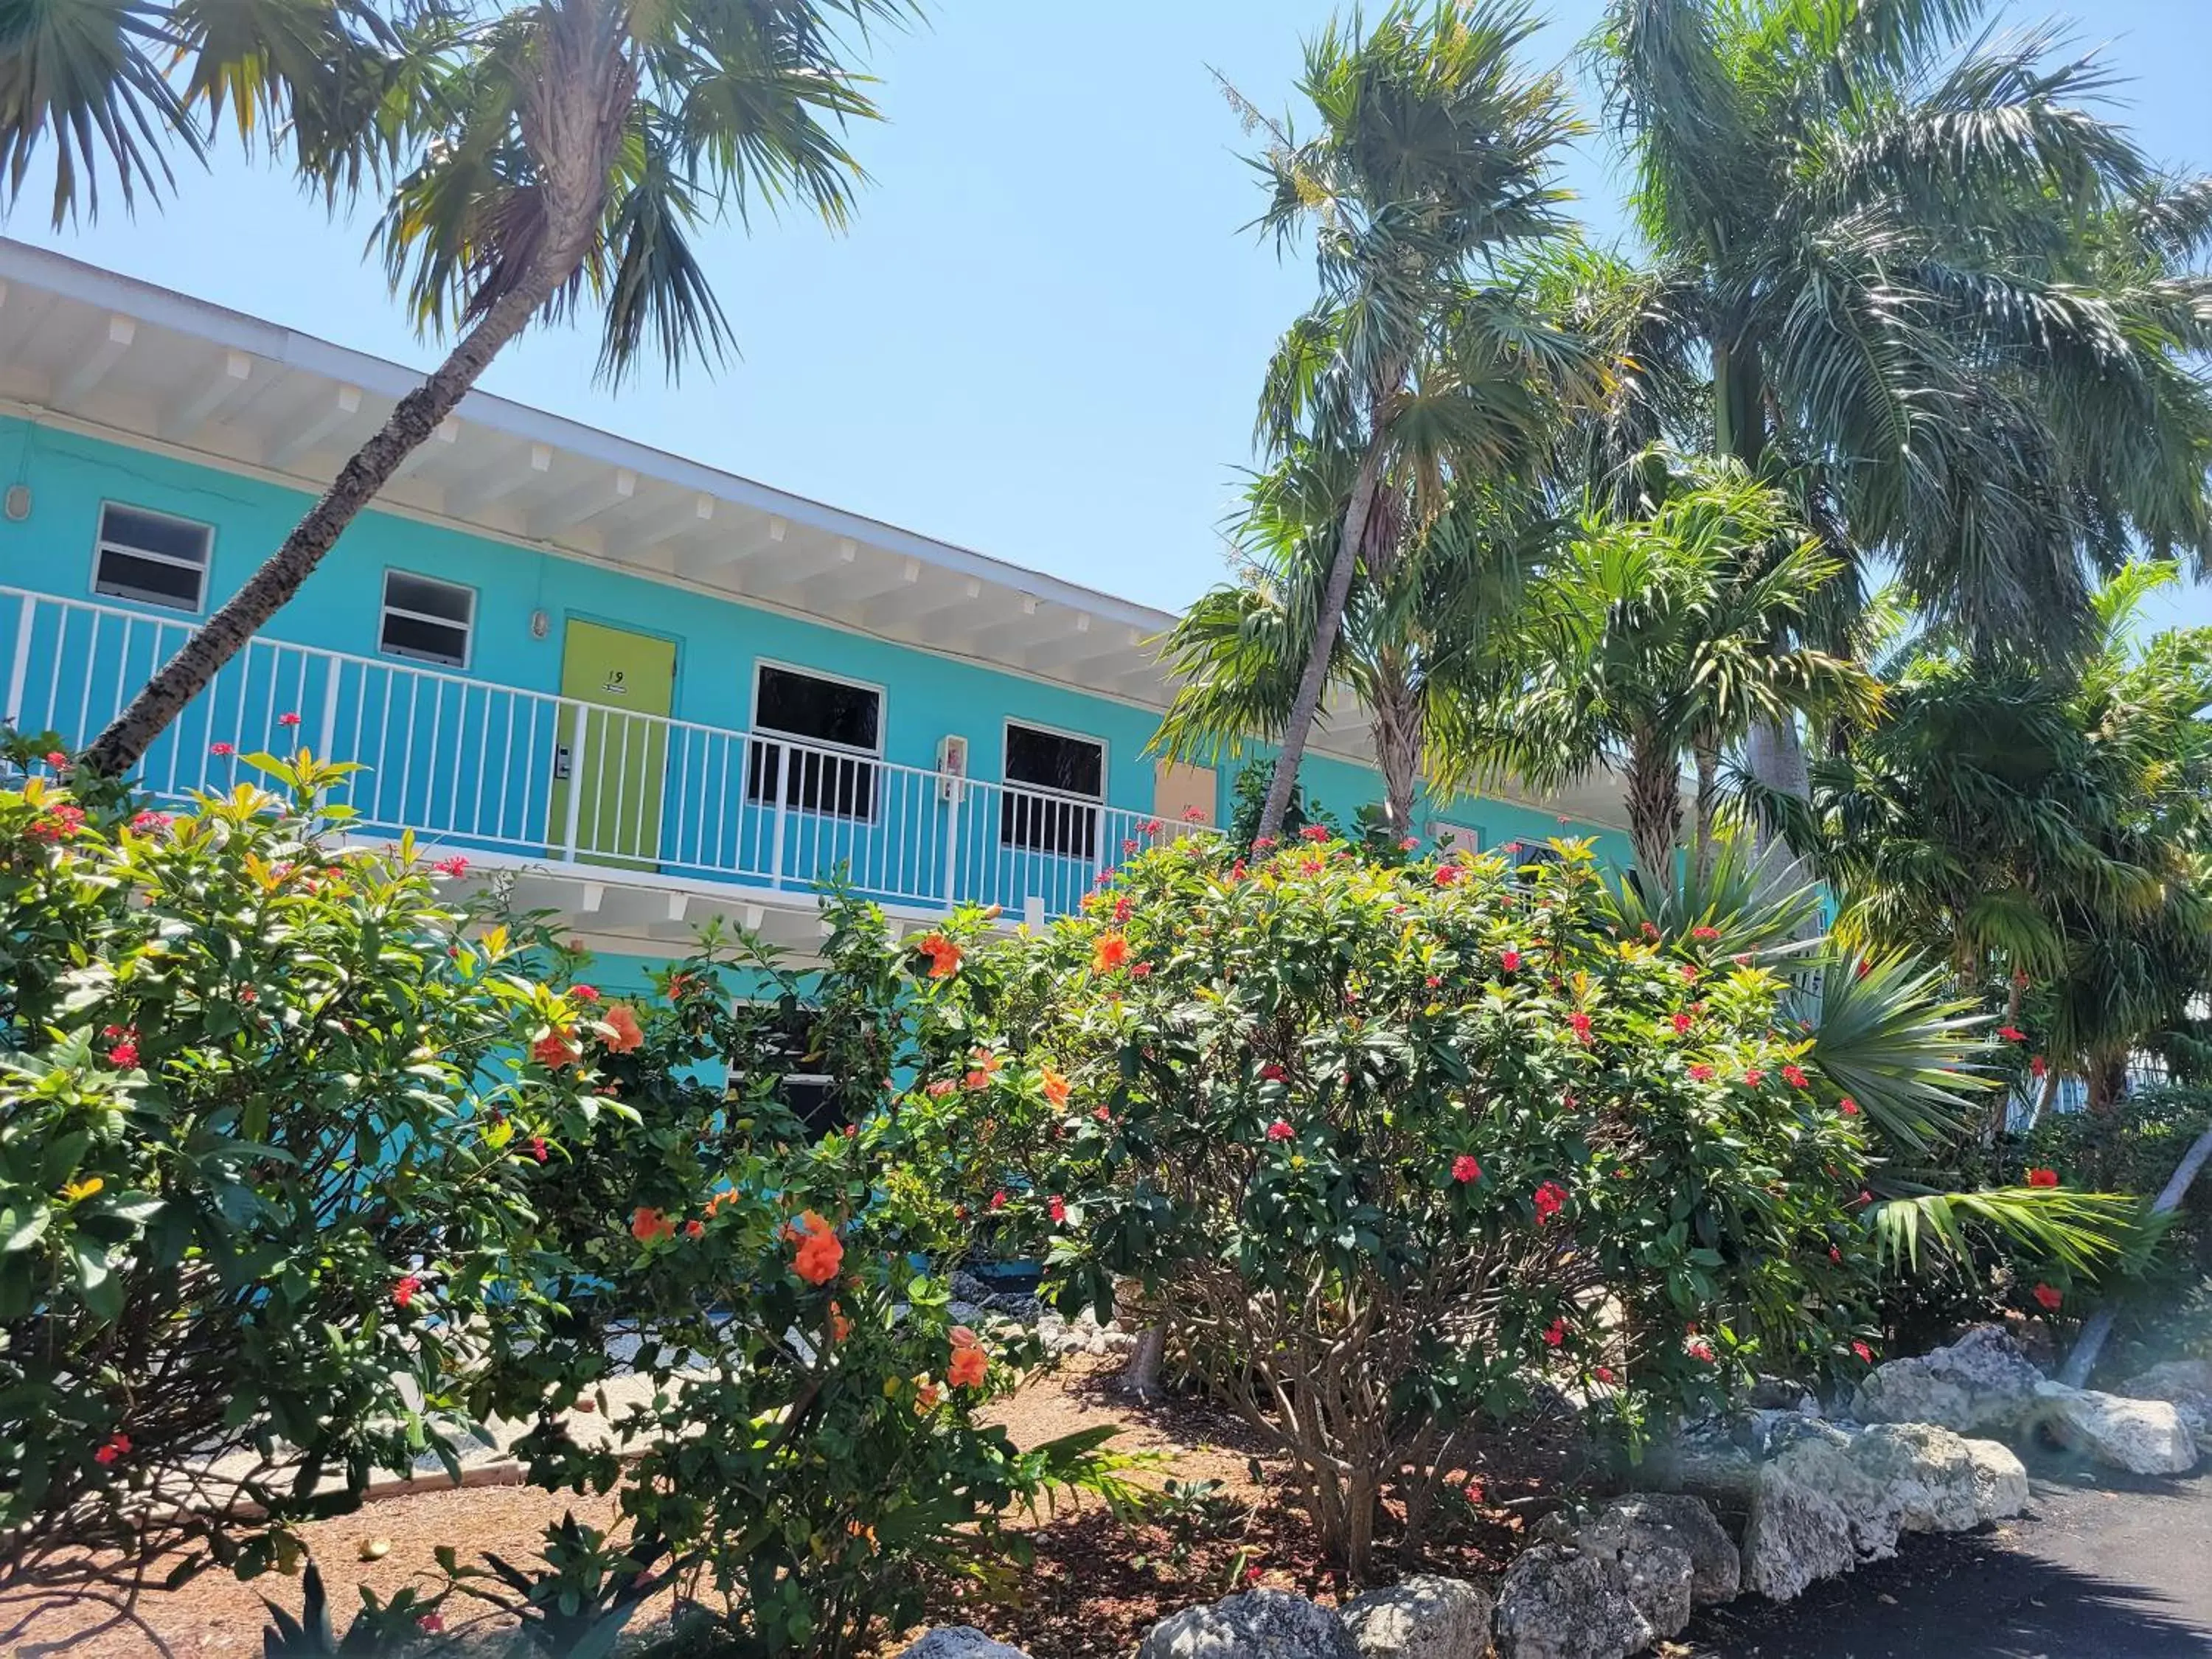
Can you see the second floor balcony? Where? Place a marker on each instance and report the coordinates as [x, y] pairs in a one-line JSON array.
[[551, 786]]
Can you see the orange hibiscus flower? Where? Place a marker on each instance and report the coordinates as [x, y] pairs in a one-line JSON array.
[[620, 1030], [943, 956], [1110, 953], [1055, 1087], [554, 1050], [647, 1224], [820, 1253]]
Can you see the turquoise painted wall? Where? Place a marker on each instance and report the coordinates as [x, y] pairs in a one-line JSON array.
[[479, 784]]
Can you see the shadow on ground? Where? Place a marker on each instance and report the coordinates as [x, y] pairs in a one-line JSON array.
[[2101, 1566]]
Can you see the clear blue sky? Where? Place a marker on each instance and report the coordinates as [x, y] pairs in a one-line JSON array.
[[1042, 338]]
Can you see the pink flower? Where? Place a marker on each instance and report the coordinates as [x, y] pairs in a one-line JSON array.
[[1796, 1078], [1432, 982], [1057, 1209], [1280, 1130], [538, 1148], [2039, 1066], [1753, 1078], [1848, 1107], [1130, 845], [455, 866], [1509, 961], [1152, 826], [942, 1087], [1682, 1024], [1263, 843], [1465, 1168], [124, 1054], [1689, 970], [430, 1623], [1252, 1574], [114, 1447], [1314, 832], [1139, 970], [58, 760], [1703, 935], [1556, 1332], [222, 750], [2048, 1297], [1701, 1350], [1272, 1073], [999, 1198], [2041, 1177], [1650, 930], [1701, 1072], [288, 719], [1549, 1199], [585, 993], [403, 1292], [1474, 1491], [1194, 814], [1865, 1353], [1581, 1023], [2012, 1034], [1122, 909], [1447, 874], [151, 823], [1409, 843]]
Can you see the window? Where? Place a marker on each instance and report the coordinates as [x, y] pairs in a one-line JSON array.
[[840, 725], [1456, 837], [1523, 855], [151, 557], [1069, 768], [427, 620], [786, 1041]]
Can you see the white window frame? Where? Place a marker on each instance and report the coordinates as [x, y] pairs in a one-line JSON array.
[[101, 546], [1005, 740], [386, 609], [761, 728], [1096, 804]]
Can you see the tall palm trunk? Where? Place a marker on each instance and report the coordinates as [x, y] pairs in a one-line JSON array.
[[2091, 1343], [1708, 805], [1314, 678], [1654, 808], [574, 123], [1397, 722]]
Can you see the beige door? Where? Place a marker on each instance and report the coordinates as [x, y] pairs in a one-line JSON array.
[[1180, 790]]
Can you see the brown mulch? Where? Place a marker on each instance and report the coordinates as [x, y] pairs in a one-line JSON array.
[[1093, 1588]]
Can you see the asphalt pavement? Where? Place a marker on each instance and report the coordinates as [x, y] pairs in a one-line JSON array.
[[2101, 1566]]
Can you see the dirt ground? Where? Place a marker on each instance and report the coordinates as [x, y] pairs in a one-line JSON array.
[[1094, 1587]]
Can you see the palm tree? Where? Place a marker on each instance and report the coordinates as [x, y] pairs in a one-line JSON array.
[[541, 159], [2050, 838], [1651, 638], [1435, 161], [1912, 261], [1414, 641]]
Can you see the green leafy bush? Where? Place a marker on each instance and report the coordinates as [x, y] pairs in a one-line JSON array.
[[264, 1134], [1399, 1145]]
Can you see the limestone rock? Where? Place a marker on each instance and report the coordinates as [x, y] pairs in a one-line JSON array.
[[1982, 1382], [1797, 1537], [1928, 1472], [2173, 1380], [1426, 1617], [2186, 1385], [2143, 1437], [1634, 1526], [960, 1642], [1560, 1603], [2000, 1480], [1262, 1624]]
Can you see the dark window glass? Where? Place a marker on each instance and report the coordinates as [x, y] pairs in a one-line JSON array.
[[1048, 824], [425, 619], [817, 711], [811, 1095], [151, 558], [820, 711]]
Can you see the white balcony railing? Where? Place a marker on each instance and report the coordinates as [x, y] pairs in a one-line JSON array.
[[478, 766]]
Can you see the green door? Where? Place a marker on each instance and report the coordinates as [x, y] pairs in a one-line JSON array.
[[615, 764]]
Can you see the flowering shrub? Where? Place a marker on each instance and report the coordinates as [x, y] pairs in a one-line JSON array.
[[1394, 1143], [263, 1176]]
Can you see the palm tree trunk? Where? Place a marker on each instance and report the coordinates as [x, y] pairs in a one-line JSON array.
[[1299, 724], [1397, 728], [225, 634], [1654, 809], [573, 120], [1709, 801], [2091, 1343]]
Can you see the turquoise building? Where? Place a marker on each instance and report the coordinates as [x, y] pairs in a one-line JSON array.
[[643, 691]]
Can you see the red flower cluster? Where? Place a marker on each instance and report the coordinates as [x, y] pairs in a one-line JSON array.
[[2048, 1298], [288, 719], [1796, 1078], [1314, 832], [453, 866], [943, 955], [114, 1447], [2042, 1177], [1447, 874], [2012, 1034], [1549, 1199], [1555, 1333], [1682, 1024], [1701, 1072], [403, 1291], [1509, 961], [1581, 1024], [1848, 1107], [1280, 1130], [57, 823], [1465, 1168], [1703, 935]]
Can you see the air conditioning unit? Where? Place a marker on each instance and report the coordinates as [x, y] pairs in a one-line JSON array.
[[952, 768]]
